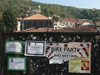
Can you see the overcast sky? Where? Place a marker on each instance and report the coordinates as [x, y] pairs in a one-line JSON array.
[[76, 3]]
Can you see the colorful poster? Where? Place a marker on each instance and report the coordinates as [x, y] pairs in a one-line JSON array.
[[60, 52], [17, 63], [13, 46], [35, 48], [80, 65]]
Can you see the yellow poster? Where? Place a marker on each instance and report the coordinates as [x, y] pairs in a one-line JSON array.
[[80, 65]]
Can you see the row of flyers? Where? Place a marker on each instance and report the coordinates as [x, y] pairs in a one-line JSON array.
[[41, 48], [31, 47], [78, 65]]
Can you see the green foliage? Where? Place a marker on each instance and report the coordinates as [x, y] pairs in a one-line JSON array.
[[1, 25], [45, 12], [21, 6], [9, 20], [55, 18], [96, 19]]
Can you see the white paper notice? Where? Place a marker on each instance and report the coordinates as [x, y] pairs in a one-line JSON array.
[[13, 46], [16, 64], [34, 48]]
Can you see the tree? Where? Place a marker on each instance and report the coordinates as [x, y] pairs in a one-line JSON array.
[[9, 20], [51, 13], [55, 18], [63, 15], [1, 25]]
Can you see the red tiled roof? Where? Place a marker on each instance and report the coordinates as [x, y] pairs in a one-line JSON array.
[[37, 17], [80, 21], [69, 19], [81, 29], [37, 30]]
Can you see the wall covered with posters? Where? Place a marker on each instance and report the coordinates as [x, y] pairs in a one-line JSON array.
[[77, 53], [53, 66]]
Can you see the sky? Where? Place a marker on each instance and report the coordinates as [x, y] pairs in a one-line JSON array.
[[89, 4]]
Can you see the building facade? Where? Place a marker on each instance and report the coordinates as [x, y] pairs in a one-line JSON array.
[[84, 22], [69, 22]]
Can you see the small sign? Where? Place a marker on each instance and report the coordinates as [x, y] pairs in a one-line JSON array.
[[17, 63], [34, 48], [13, 46], [85, 65]]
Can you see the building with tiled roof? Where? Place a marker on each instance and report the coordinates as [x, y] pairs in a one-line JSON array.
[[84, 22], [35, 21], [69, 22]]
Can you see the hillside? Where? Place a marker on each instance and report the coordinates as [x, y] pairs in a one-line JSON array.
[[22, 6]]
